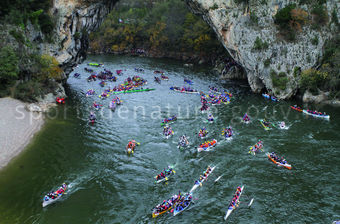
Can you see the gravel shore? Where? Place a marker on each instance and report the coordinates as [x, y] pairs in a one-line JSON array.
[[17, 128]]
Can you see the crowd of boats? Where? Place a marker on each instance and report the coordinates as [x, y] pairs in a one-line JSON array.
[[177, 203]]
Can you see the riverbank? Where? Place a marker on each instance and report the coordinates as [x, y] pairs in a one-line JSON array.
[[18, 126]]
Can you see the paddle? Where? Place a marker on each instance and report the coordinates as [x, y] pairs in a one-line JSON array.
[[251, 202]]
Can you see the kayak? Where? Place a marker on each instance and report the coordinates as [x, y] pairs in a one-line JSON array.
[[168, 173], [183, 142], [267, 96], [232, 208], [47, 200], [183, 205], [181, 90], [133, 91], [316, 115], [95, 64], [296, 108], [188, 81], [131, 149], [264, 126], [228, 133], [169, 120], [200, 182], [202, 133], [253, 150], [286, 165], [203, 147], [168, 205]]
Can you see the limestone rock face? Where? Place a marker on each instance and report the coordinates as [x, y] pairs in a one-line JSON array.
[[75, 19], [235, 27]]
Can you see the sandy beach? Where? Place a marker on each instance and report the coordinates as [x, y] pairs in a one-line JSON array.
[[18, 127]]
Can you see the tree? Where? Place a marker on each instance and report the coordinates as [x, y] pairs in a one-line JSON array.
[[8, 64]]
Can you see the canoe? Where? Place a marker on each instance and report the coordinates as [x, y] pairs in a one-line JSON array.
[[199, 183], [183, 205], [168, 136], [169, 120], [296, 108], [231, 208], [207, 149], [49, 201], [133, 91], [173, 200], [95, 64], [166, 178], [316, 115], [176, 89], [183, 142], [202, 135], [260, 148], [264, 126], [288, 166]]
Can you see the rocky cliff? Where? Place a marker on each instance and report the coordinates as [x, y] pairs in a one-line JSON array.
[[74, 19], [239, 25]]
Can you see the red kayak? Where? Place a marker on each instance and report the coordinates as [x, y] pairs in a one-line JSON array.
[[296, 108]]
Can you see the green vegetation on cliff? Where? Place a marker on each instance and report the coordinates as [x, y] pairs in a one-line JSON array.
[[18, 12], [327, 77], [25, 73], [158, 27]]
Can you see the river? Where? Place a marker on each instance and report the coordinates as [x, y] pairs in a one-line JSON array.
[[108, 186]]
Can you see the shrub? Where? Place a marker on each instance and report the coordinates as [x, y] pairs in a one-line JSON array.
[[259, 44], [28, 91], [214, 7], [279, 80], [315, 40], [320, 15], [8, 64], [266, 62], [19, 37], [253, 18], [284, 16], [49, 69], [312, 79]]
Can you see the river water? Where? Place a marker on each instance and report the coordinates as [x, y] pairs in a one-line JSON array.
[[108, 186]]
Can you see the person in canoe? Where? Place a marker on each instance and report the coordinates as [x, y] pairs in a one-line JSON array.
[[203, 132], [266, 123], [167, 131], [277, 159], [282, 125], [246, 118], [210, 118], [92, 117], [131, 146], [183, 141], [96, 105]]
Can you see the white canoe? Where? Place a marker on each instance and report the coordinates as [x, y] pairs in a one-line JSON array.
[[231, 209], [198, 184], [316, 115], [50, 200]]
